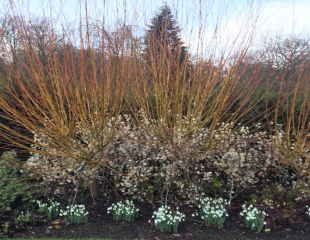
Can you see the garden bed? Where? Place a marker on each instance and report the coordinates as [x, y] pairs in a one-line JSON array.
[[142, 230], [102, 226], [122, 136]]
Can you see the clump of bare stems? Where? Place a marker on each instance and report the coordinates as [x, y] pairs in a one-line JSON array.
[[56, 84]]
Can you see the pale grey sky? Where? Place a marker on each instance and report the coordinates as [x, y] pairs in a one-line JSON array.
[[198, 19]]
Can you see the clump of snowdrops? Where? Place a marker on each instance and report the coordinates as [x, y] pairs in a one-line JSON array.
[[75, 214], [168, 220], [51, 209], [308, 211], [123, 211], [213, 211], [254, 218], [24, 217]]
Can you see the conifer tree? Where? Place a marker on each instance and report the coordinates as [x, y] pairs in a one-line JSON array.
[[163, 38]]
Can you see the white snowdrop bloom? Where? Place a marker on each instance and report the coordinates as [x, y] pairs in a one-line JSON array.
[[213, 210], [75, 214], [308, 211], [166, 219], [123, 210], [254, 217]]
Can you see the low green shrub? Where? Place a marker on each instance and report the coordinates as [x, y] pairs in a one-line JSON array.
[[14, 190]]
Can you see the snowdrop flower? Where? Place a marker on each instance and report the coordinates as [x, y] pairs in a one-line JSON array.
[[254, 218], [75, 214], [51, 208], [167, 220], [123, 210], [308, 211], [213, 211]]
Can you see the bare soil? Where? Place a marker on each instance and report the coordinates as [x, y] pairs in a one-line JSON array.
[[101, 225]]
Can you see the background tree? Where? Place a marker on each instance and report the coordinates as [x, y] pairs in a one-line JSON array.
[[287, 53], [288, 57], [163, 39]]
